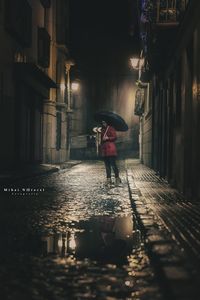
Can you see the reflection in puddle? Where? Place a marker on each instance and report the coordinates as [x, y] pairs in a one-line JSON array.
[[102, 238], [54, 244]]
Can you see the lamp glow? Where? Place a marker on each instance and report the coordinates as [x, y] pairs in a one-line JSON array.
[[75, 86], [72, 242], [135, 62]]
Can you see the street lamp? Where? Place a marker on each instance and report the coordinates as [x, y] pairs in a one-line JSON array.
[[68, 65], [135, 62], [138, 63], [75, 86]]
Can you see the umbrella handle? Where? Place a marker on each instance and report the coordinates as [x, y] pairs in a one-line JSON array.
[[98, 132]]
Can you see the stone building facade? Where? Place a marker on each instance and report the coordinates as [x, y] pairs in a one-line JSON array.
[[33, 89], [170, 39]]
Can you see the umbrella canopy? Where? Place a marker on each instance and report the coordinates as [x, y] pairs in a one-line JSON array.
[[112, 119]]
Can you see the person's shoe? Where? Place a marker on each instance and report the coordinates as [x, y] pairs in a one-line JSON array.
[[117, 181], [108, 182]]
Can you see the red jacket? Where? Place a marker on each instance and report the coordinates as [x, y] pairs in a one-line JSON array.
[[108, 147]]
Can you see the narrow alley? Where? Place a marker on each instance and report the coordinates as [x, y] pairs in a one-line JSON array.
[[100, 149]]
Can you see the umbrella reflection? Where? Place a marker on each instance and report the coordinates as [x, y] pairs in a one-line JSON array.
[[108, 239], [55, 244], [72, 242], [101, 238]]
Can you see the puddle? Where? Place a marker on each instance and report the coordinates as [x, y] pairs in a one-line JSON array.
[[100, 258], [102, 238]]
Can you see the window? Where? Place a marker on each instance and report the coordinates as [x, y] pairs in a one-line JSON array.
[[62, 20], [18, 20], [46, 3], [58, 130], [43, 47]]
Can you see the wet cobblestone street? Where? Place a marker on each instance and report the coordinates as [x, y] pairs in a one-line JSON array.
[[76, 239]]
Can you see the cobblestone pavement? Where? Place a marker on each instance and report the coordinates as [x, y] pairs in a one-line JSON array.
[[66, 236], [171, 225]]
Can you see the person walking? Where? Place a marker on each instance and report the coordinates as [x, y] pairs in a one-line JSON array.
[[109, 152]]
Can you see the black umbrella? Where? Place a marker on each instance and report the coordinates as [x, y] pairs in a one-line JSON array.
[[112, 119]]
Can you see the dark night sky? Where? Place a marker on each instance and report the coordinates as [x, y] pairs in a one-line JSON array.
[[101, 44], [100, 35]]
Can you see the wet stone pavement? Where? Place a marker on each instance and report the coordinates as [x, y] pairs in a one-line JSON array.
[[171, 229], [72, 239]]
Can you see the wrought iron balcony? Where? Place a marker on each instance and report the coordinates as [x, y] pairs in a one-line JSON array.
[[169, 12], [166, 13], [163, 12]]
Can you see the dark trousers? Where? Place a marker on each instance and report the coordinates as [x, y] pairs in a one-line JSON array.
[[110, 161]]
